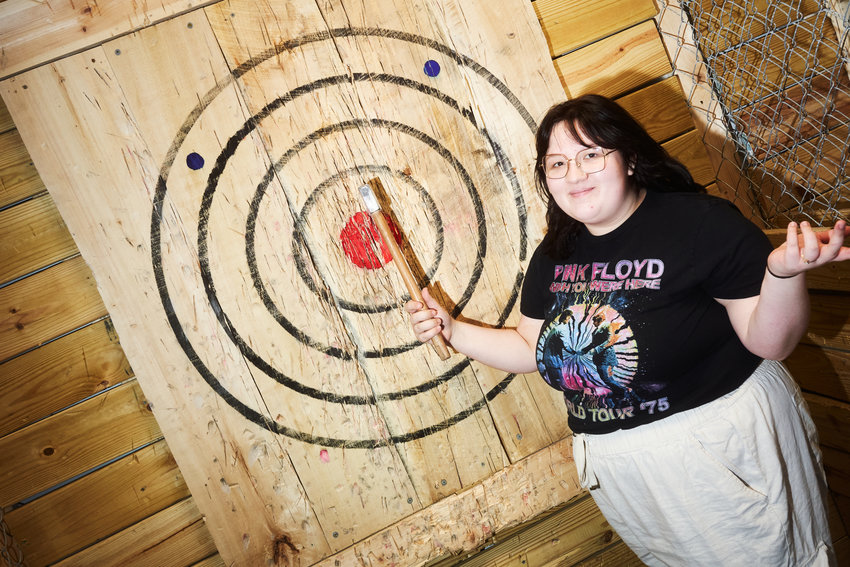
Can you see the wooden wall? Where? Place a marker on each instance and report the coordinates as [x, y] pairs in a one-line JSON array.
[[86, 476]]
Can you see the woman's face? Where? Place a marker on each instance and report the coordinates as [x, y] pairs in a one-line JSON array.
[[601, 201]]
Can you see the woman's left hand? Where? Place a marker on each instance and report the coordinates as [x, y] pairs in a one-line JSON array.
[[808, 249]]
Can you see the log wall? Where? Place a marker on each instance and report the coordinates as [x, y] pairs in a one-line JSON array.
[[89, 478]]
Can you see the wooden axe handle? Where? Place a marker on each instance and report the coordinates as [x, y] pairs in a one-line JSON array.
[[380, 221]]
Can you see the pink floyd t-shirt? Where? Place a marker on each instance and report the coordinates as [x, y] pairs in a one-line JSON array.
[[632, 332]]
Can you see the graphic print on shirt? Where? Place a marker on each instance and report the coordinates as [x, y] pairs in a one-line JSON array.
[[589, 350], [587, 347]]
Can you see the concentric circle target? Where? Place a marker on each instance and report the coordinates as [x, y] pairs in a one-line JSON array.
[[237, 235]]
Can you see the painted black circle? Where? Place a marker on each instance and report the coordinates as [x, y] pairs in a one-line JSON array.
[[162, 285], [298, 241]]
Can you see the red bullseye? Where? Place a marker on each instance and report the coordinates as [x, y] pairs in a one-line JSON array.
[[362, 243]]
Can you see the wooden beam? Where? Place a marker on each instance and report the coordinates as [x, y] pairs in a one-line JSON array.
[[52, 377], [176, 535], [822, 370], [32, 236], [6, 123], [125, 492], [74, 441], [616, 64], [511, 496], [48, 304], [37, 32], [832, 419], [575, 532], [829, 325], [661, 109], [689, 149], [570, 24], [18, 177]]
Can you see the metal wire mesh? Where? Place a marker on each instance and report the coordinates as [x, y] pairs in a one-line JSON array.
[[770, 82], [10, 553]]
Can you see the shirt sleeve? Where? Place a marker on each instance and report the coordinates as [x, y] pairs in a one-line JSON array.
[[730, 252], [534, 293]]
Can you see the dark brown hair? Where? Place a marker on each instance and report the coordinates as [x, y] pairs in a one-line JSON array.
[[599, 121]]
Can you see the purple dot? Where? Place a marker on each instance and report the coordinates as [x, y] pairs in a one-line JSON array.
[[432, 68], [195, 161]]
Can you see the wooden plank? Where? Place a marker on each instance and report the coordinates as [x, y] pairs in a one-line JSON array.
[[74, 441], [517, 493], [829, 324], [821, 370], [570, 24], [618, 555], [18, 177], [833, 276], [836, 463], [566, 537], [46, 305], [832, 419], [689, 149], [37, 32], [176, 536], [59, 374], [615, 65], [661, 109], [32, 235], [58, 524], [211, 561], [6, 123], [359, 466]]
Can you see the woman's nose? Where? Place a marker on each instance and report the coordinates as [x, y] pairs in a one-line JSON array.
[[574, 172]]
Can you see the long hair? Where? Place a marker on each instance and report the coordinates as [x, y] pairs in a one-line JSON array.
[[598, 121]]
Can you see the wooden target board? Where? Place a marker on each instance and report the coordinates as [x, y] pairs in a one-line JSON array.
[[208, 168]]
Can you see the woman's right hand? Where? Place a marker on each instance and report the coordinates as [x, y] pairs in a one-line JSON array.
[[430, 319]]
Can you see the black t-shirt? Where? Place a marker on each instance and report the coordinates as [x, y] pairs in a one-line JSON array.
[[632, 332]]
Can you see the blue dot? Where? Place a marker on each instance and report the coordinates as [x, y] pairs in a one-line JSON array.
[[195, 161], [432, 68]]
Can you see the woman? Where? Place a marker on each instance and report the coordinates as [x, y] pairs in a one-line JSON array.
[[660, 311]]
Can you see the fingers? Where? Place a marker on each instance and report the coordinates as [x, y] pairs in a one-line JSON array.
[[425, 319], [810, 251], [809, 248]]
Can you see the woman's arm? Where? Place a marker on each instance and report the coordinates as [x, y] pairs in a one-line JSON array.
[[770, 324], [509, 349]]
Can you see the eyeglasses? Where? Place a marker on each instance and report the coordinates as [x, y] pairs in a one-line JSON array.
[[591, 160]]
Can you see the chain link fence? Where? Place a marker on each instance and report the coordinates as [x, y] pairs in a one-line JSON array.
[[768, 81], [10, 553]]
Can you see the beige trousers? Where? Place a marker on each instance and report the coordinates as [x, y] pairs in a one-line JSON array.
[[738, 481]]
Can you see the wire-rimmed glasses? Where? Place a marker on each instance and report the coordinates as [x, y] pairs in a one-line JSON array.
[[590, 160]]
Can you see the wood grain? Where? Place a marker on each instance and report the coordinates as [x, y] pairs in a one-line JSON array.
[[48, 304], [126, 491], [32, 236], [37, 32], [6, 123], [569, 24], [18, 176], [689, 149], [175, 536], [661, 109], [74, 441], [515, 494], [61, 373], [615, 65]]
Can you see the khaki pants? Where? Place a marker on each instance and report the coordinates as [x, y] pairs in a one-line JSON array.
[[738, 481]]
